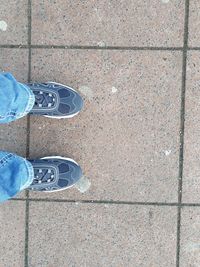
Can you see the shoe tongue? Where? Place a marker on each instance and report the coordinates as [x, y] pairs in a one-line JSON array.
[[43, 99], [39, 98], [43, 175]]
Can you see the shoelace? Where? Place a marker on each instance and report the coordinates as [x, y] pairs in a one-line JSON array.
[[44, 99], [43, 176]]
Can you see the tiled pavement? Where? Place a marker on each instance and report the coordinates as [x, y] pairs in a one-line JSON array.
[[138, 138]]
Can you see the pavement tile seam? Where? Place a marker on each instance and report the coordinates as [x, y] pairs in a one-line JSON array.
[[26, 241], [182, 128]]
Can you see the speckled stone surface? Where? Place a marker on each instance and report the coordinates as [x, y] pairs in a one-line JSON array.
[[101, 235], [15, 61], [13, 22], [194, 23], [191, 179], [13, 137], [12, 220], [125, 139], [108, 23], [190, 236]]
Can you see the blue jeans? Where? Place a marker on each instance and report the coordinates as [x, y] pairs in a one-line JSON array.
[[17, 100], [16, 174]]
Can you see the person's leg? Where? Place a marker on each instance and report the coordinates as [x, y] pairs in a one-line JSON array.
[[16, 98], [16, 174], [49, 99], [50, 174]]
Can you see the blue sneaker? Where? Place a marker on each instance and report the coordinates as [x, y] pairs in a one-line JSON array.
[[55, 100], [55, 173]]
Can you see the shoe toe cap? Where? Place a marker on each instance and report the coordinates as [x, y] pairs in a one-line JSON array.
[[70, 176], [78, 102], [76, 174]]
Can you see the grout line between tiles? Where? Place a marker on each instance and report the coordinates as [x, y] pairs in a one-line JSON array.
[[88, 47], [193, 48], [182, 128], [26, 245], [140, 203], [98, 202], [26, 232], [71, 47]]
